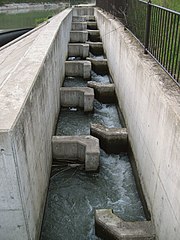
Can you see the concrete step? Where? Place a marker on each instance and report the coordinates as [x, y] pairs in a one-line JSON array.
[[109, 226], [82, 148], [112, 140], [82, 97], [78, 36], [78, 69], [92, 25], [78, 50]]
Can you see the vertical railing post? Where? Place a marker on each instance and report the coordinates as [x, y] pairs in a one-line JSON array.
[[148, 24]]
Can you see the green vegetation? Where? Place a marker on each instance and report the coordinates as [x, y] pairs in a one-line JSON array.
[[171, 4], [30, 1]]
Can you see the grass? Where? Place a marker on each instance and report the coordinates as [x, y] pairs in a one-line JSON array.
[[171, 4]]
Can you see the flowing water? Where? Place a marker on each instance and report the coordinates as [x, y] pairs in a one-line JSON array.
[[74, 194]]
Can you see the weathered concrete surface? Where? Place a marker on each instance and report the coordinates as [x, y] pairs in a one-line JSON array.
[[78, 68], [94, 35], [109, 226], [112, 140], [99, 66], [104, 93], [77, 97], [78, 50], [78, 19], [78, 36], [92, 25], [83, 11], [150, 103], [96, 48], [79, 26], [82, 148], [32, 71]]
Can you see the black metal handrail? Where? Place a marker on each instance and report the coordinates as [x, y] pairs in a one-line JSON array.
[[157, 28]]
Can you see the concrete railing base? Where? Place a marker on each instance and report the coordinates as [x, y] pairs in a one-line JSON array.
[[104, 93], [82, 148], [78, 50], [78, 36], [109, 226], [112, 140], [82, 97], [78, 69], [99, 66]]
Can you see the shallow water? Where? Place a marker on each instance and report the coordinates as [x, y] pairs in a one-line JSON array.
[[74, 195], [74, 121]]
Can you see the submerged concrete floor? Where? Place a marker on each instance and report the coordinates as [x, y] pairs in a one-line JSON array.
[[74, 195]]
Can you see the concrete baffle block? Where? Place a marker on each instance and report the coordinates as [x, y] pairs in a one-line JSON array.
[[96, 48], [78, 36], [82, 148], [91, 25], [82, 97], [112, 140], [104, 93], [78, 50], [94, 35], [100, 66], [78, 69], [109, 226], [79, 26], [79, 19]]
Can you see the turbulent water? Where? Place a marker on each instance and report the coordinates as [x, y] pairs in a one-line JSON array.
[[74, 195]]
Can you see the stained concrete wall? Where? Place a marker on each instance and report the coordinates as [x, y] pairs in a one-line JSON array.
[[31, 71], [150, 102]]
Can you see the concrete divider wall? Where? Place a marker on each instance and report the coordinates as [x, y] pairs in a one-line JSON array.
[[149, 100], [29, 103]]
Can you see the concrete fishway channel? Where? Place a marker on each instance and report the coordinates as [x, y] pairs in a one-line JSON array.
[[92, 191]]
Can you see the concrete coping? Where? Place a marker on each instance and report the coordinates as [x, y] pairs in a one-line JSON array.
[[78, 69], [83, 148], [109, 226], [103, 92], [77, 97], [112, 140]]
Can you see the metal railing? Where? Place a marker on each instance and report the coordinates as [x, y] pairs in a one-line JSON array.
[[157, 29]]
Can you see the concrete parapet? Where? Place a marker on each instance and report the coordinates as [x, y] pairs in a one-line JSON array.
[[82, 148], [99, 66], [77, 97], [78, 50], [96, 48], [112, 140], [78, 69], [104, 93], [78, 36], [79, 26], [94, 35], [109, 226]]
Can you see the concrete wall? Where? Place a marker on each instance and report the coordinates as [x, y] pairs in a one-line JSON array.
[[32, 71], [149, 100]]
